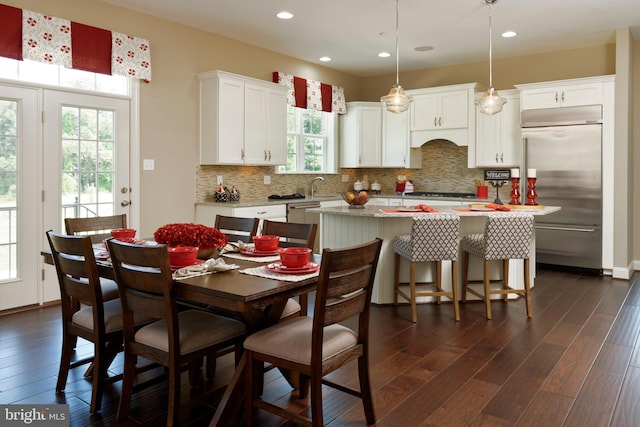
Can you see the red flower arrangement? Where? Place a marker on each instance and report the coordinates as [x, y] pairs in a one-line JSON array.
[[188, 234]]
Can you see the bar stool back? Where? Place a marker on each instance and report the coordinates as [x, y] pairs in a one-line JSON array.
[[506, 237], [432, 239]]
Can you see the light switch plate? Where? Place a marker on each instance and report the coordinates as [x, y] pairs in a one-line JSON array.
[[219, 180], [148, 164], [345, 178], [267, 180]]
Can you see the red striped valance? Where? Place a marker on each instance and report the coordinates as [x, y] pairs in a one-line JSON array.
[[25, 34], [305, 93]]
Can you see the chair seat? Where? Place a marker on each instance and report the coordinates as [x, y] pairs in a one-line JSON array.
[[109, 289], [112, 316], [291, 340], [474, 244], [290, 308], [198, 329]]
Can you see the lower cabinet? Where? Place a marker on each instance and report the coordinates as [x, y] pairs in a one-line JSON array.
[[206, 213]]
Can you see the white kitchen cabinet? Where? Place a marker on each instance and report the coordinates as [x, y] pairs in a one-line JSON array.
[[206, 213], [445, 112], [396, 143], [242, 120], [562, 93], [498, 137], [361, 135]]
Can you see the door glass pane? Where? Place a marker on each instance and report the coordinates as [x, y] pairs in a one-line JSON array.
[[8, 189], [88, 162]]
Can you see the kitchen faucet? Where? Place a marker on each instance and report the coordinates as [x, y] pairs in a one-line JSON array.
[[313, 184]]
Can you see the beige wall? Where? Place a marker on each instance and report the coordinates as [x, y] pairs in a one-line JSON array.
[[169, 103]]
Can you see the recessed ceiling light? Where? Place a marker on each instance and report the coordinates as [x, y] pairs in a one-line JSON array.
[[284, 15], [423, 48], [325, 59], [508, 34], [384, 54]]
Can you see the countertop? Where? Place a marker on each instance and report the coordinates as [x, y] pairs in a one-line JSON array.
[[378, 212], [337, 196]]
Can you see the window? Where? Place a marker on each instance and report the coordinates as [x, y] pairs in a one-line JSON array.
[[310, 141]]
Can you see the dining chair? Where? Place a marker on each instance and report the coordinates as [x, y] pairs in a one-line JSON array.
[[433, 239], [98, 228], [505, 237], [292, 234], [95, 320], [235, 228], [176, 338], [315, 346]]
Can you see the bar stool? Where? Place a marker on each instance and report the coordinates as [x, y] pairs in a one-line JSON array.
[[506, 237], [432, 239]]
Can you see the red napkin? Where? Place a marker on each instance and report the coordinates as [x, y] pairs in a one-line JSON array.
[[424, 208], [498, 207]]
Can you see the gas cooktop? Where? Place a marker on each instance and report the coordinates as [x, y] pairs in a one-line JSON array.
[[439, 194]]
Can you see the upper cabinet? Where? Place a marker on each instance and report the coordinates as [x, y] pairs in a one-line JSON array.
[[445, 112], [243, 121], [498, 138], [565, 93], [371, 136], [361, 135]]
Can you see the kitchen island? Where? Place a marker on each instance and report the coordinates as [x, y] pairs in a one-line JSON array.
[[343, 226]]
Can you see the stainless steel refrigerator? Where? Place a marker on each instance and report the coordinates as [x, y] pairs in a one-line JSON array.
[[564, 145]]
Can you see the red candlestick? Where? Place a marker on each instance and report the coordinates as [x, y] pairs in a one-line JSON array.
[[531, 194], [515, 191]]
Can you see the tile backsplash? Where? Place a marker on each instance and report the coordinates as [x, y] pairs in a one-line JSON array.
[[444, 168]]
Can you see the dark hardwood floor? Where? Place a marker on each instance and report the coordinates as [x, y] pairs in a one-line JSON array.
[[576, 363]]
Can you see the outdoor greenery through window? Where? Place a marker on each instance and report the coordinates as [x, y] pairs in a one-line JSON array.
[[310, 141], [8, 182]]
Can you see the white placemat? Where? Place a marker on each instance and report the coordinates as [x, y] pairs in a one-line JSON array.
[[263, 272], [210, 266], [237, 255]]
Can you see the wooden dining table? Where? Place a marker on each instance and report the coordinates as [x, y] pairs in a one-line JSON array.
[[258, 301]]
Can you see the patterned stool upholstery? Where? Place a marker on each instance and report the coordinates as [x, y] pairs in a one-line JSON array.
[[432, 239], [506, 237]]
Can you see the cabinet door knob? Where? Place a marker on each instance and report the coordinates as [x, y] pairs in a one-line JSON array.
[[556, 96], [440, 121], [496, 157], [501, 157], [562, 96], [242, 153], [435, 121]]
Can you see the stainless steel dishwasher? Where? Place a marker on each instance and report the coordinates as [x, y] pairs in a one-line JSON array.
[[298, 212]]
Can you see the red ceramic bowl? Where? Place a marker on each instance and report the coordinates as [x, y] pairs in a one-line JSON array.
[[181, 256], [123, 233], [267, 243], [294, 257]]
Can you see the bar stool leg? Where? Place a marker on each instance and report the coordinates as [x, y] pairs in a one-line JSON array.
[[487, 289], [412, 273], [465, 274], [396, 278], [438, 280], [454, 289], [505, 278], [527, 287]]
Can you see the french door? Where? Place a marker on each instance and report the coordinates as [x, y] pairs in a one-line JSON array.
[[19, 201], [86, 163]]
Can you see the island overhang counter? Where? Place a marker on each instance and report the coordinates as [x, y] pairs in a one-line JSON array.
[[343, 226]]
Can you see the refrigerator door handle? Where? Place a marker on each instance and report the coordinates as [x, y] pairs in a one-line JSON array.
[[584, 230]]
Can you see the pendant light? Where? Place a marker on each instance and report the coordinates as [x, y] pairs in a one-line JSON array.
[[396, 101], [491, 102]]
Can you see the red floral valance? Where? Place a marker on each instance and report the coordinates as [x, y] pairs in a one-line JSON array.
[[31, 35], [305, 93]]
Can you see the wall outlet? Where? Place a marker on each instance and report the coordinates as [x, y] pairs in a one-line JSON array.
[[345, 178], [219, 180], [267, 180], [148, 164]]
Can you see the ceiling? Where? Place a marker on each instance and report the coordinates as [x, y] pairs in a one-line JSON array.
[[353, 32]]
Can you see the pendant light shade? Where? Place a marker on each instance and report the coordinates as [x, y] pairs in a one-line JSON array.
[[491, 102], [397, 100]]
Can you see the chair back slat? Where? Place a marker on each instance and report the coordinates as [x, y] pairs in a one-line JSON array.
[[98, 228], [144, 277], [345, 283], [291, 234], [235, 228]]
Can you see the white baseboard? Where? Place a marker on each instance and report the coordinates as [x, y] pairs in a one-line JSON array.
[[625, 273]]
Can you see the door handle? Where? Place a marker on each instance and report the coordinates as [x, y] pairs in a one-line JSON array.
[[125, 203], [582, 230]]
